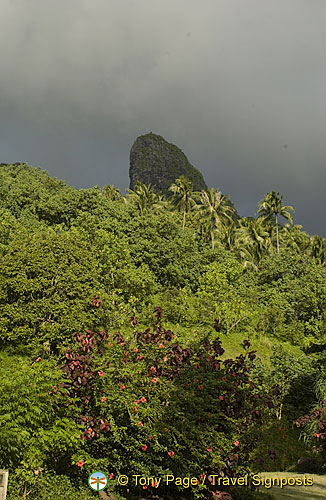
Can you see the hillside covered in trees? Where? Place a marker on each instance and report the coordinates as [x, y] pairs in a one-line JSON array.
[[148, 335]]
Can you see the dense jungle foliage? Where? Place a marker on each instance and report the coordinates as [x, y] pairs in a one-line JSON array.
[[151, 335]]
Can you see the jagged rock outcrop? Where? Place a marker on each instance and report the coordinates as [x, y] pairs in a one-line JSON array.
[[155, 161]]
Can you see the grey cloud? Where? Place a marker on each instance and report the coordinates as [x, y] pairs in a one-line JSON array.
[[231, 82]]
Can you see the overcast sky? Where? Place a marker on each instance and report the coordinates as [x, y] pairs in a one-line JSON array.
[[238, 85]]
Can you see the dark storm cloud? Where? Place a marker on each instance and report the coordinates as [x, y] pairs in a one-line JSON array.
[[239, 85]]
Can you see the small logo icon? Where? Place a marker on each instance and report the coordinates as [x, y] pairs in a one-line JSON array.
[[97, 481]]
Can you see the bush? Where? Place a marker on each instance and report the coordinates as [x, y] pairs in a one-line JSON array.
[[38, 432], [46, 280], [128, 388], [52, 487], [278, 448], [313, 425], [309, 464]]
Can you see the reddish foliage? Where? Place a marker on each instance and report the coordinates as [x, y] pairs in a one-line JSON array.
[[319, 417], [96, 301], [170, 361]]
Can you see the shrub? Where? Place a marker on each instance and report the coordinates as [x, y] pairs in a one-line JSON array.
[[149, 406], [313, 427], [46, 280], [38, 432], [52, 487], [278, 448]]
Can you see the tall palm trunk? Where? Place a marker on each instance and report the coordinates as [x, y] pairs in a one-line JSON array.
[[212, 234], [277, 242], [184, 218]]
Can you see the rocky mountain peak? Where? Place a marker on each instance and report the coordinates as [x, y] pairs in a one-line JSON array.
[[155, 161]]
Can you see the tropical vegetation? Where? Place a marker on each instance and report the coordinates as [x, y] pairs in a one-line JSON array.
[[145, 334]]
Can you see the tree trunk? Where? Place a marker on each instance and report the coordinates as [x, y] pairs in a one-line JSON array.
[[277, 242], [212, 235], [184, 219]]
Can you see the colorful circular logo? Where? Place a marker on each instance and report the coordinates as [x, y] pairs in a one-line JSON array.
[[97, 481]]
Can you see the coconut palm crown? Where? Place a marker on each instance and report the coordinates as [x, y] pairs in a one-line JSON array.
[[182, 197], [215, 210], [271, 207]]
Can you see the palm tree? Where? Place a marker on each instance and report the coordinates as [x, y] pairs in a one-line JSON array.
[[111, 192], [215, 210], [293, 237], [229, 236], [253, 241], [270, 208], [182, 197], [318, 249], [144, 197]]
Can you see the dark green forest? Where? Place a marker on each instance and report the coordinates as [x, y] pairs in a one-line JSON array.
[[145, 334]]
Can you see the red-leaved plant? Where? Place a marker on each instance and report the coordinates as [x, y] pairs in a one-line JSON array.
[[149, 405], [314, 428]]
